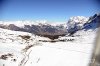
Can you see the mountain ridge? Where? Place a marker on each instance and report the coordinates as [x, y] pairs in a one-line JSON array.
[[50, 30]]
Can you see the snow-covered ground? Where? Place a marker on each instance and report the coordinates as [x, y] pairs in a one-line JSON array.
[[18, 51]]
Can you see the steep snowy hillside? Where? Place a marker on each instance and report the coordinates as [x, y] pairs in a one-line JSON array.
[[93, 22]]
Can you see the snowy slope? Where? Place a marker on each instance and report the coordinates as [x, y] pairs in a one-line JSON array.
[[16, 51]]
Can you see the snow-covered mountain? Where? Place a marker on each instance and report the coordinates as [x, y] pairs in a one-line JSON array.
[[76, 23], [25, 43], [43, 28], [82, 23]]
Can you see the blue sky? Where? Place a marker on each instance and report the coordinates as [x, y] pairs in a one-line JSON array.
[[51, 10]]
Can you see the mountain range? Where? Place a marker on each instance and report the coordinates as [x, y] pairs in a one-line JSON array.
[[53, 31]]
